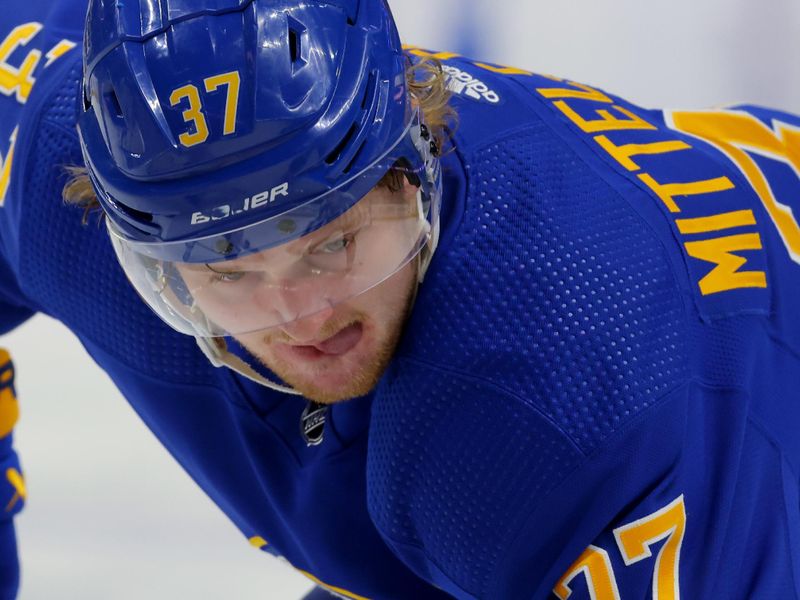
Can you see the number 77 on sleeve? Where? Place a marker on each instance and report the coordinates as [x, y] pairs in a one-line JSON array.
[[634, 541]]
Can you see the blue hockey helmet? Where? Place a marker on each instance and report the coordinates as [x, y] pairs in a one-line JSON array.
[[236, 145]]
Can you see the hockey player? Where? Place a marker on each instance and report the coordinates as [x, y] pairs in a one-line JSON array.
[[553, 356]]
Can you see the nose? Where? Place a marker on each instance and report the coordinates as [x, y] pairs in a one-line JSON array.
[[306, 329], [300, 311]]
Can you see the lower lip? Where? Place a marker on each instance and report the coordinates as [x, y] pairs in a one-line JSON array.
[[340, 343]]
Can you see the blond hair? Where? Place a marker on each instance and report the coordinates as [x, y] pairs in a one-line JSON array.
[[427, 85]]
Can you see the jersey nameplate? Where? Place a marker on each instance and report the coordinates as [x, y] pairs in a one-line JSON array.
[[712, 217]]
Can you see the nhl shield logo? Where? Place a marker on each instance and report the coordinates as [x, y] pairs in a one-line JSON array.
[[312, 423]]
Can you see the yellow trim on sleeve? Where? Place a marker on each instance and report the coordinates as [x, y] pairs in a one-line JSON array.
[[16, 480], [258, 542], [331, 588]]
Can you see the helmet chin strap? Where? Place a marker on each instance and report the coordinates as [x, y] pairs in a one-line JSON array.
[[216, 351]]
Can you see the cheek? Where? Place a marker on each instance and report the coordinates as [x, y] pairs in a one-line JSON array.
[[261, 343], [389, 301]]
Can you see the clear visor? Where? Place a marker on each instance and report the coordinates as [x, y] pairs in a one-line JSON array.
[[254, 278]]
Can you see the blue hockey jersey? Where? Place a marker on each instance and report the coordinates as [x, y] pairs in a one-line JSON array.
[[595, 395]]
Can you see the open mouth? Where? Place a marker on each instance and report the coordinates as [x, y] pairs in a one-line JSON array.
[[338, 344]]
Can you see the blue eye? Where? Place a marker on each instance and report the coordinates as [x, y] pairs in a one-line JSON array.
[[228, 277], [335, 246]]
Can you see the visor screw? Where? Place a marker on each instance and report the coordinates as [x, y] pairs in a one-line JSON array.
[[424, 133], [287, 226], [434, 149]]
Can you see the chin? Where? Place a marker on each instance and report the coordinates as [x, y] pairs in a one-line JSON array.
[[333, 392]]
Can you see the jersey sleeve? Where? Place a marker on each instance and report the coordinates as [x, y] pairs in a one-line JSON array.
[[672, 506], [40, 39]]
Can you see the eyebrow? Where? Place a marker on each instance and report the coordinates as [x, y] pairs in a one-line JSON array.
[[345, 221], [208, 266], [342, 223]]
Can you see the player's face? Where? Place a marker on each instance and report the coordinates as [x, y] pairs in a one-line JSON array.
[[341, 352], [335, 350]]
